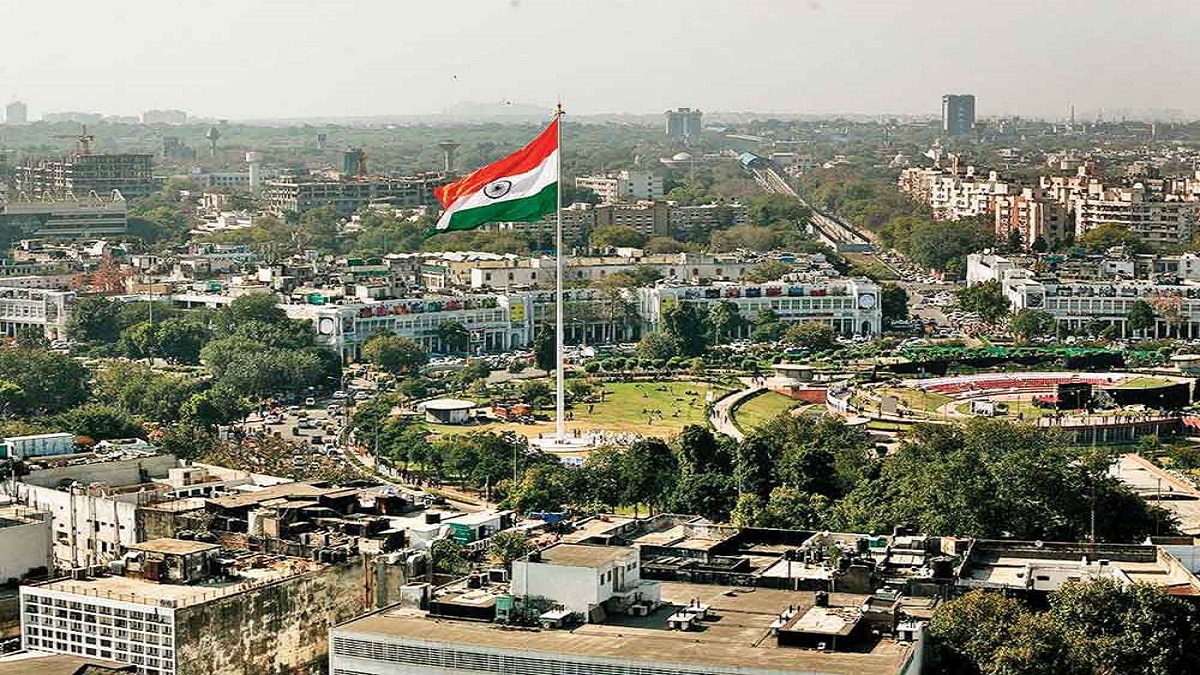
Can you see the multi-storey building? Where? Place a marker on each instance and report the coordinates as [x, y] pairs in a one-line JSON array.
[[1082, 304], [74, 216], [683, 123], [648, 218], [626, 185], [130, 173], [1169, 222], [48, 310], [850, 306], [297, 194], [16, 113], [958, 113], [1033, 215], [175, 607]]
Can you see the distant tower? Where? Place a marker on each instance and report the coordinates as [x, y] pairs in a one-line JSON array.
[[322, 141], [354, 162], [16, 113], [448, 148], [254, 159], [213, 136], [958, 113]]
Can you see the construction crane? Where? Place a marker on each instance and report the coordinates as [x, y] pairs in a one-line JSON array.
[[84, 139]]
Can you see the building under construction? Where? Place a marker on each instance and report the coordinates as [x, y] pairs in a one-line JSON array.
[[81, 174], [298, 194]]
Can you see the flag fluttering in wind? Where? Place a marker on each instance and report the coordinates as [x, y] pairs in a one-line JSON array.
[[522, 187]]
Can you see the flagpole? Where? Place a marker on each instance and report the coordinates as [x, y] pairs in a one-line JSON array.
[[560, 355]]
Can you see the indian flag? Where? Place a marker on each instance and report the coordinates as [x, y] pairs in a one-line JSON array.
[[521, 187]]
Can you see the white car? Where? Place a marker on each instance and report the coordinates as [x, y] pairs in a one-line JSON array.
[[272, 419], [310, 401], [361, 396], [339, 394]]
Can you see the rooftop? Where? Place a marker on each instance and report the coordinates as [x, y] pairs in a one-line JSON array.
[[741, 638], [251, 498], [174, 546], [138, 591], [43, 663], [582, 555]]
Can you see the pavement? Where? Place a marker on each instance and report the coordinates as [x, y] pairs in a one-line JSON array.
[[722, 412], [1161, 487]]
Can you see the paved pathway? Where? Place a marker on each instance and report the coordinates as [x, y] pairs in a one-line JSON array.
[[722, 413], [1159, 486]]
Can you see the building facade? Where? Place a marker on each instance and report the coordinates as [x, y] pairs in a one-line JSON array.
[[16, 113], [624, 186], [298, 194], [76, 216], [683, 123], [129, 173], [958, 113]]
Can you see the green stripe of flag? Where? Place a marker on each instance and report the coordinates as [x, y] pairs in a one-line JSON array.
[[526, 209]]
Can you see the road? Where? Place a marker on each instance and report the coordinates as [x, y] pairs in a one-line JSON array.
[[1158, 486]]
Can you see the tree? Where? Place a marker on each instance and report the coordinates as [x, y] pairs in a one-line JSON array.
[[985, 299], [541, 488], [545, 351], [99, 422], [94, 319], [649, 471], [723, 318], [659, 245], [747, 237], [767, 326], [186, 441], [11, 394], [602, 476], [180, 340], [1141, 316], [993, 478], [447, 557], [537, 393], [657, 346], [616, 236], [51, 382], [1108, 235], [394, 354], [507, 547], [768, 270], [711, 495], [893, 303], [814, 336], [771, 209], [217, 406], [1027, 324], [700, 451], [1110, 627], [752, 465], [453, 336], [793, 509], [254, 307], [982, 632], [31, 336], [684, 322]]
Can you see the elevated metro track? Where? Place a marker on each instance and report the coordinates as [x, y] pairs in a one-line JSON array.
[[830, 230]]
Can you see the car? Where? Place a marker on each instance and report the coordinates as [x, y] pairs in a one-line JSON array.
[[339, 394], [361, 396], [273, 419], [293, 408], [310, 401], [305, 424], [333, 408]]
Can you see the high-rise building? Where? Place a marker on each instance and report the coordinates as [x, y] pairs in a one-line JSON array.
[[16, 113], [683, 123], [958, 113]]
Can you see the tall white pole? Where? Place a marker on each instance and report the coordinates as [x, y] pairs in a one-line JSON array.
[[560, 356]]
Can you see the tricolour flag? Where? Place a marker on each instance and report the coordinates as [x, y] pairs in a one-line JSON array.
[[521, 187]]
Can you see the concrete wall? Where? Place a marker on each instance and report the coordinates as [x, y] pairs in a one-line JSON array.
[[114, 474], [24, 547], [87, 530], [277, 629], [576, 588]]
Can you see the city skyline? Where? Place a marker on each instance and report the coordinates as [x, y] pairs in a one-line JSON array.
[[818, 57]]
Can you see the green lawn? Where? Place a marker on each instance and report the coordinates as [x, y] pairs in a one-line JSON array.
[[762, 408], [625, 409], [917, 399], [1144, 383]]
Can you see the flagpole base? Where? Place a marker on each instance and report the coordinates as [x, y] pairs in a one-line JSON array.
[[567, 445]]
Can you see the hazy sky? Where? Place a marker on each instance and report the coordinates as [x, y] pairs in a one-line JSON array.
[[275, 58]]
